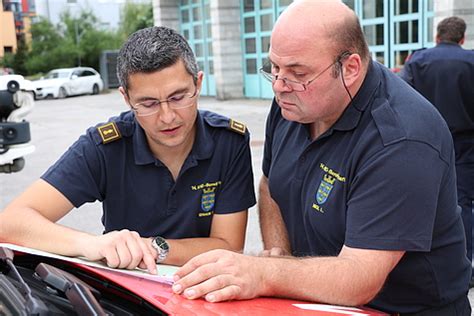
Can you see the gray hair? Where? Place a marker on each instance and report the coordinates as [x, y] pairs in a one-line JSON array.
[[153, 49]]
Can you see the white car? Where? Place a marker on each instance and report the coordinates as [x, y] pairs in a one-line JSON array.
[[64, 82]]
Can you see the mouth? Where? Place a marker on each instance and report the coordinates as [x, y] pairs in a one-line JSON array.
[[285, 104], [169, 131]]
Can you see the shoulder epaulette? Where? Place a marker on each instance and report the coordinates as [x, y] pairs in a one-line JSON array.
[[237, 126], [109, 132]]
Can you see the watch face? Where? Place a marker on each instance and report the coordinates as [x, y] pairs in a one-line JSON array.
[[164, 245], [161, 242]]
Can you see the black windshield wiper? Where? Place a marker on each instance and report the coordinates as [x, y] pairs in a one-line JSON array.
[[33, 306], [82, 296]]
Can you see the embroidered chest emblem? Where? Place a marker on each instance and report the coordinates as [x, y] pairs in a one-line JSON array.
[[208, 199], [325, 187]]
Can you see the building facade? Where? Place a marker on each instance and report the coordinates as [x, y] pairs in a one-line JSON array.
[[8, 42], [231, 38], [23, 14]]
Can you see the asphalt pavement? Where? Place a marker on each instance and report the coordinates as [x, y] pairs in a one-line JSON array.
[[56, 124]]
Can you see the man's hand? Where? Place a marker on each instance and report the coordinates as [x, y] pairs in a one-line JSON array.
[[219, 275], [121, 249], [274, 252]]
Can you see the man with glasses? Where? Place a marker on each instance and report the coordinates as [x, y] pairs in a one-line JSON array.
[[174, 181], [358, 199]]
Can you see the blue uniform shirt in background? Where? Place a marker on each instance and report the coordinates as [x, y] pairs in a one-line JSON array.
[[138, 191], [444, 75], [382, 177]]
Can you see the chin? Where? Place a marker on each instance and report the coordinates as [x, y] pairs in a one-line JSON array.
[[289, 116]]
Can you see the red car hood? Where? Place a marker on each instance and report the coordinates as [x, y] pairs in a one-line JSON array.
[[161, 296]]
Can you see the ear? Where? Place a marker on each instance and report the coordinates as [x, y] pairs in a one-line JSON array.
[[200, 77], [462, 40], [351, 68], [124, 95]]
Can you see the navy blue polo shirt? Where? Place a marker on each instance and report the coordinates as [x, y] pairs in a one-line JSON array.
[[138, 191], [444, 75], [382, 177]]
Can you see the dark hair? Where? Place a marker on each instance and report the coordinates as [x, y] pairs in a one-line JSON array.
[[451, 29], [349, 37], [152, 49]]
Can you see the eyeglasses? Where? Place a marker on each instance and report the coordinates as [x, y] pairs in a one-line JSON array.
[[297, 85], [177, 101]]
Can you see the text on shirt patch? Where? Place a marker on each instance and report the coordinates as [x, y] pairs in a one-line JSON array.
[[325, 186], [208, 196]]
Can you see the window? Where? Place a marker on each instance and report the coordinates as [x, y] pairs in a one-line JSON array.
[[87, 73], [373, 9]]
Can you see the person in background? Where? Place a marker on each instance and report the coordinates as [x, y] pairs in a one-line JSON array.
[[444, 75], [358, 196], [174, 181]]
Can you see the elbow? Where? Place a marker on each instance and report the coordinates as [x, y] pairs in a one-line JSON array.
[[232, 245], [4, 233], [363, 296], [236, 248]]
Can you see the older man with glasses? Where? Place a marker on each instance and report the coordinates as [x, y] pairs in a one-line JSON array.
[[358, 195], [174, 181]]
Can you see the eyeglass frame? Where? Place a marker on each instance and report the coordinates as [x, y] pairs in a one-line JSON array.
[[196, 91], [273, 78]]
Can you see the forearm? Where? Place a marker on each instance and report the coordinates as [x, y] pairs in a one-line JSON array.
[[181, 250], [274, 233], [28, 228], [328, 280]]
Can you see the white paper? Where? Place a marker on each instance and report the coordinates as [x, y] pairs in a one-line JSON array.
[[165, 272], [343, 310]]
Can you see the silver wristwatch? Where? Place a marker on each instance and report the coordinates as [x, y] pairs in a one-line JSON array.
[[161, 246]]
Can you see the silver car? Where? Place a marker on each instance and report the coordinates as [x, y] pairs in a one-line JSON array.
[[64, 82]]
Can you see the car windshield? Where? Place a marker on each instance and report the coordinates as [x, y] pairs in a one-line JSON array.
[[56, 74]]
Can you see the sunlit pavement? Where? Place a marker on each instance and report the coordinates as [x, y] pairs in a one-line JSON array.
[[55, 124]]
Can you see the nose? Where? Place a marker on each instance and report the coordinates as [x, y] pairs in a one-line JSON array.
[[279, 85], [167, 114]]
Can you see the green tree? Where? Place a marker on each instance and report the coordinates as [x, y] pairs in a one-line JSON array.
[[88, 38], [7, 60], [75, 40], [49, 48], [20, 57], [135, 16]]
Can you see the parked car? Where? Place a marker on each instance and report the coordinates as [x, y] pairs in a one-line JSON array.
[[64, 82]]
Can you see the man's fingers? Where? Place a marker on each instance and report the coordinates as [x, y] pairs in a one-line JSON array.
[[125, 258], [136, 251], [148, 260], [111, 257], [196, 262], [225, 294], [212, 284], [276, 252], [198, 275]]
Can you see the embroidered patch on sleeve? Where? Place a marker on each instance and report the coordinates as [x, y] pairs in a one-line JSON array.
[[109, 132]]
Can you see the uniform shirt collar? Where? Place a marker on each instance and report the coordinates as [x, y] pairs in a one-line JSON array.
[[351, 116], [202, 148], [142, 152], [452, 44]]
